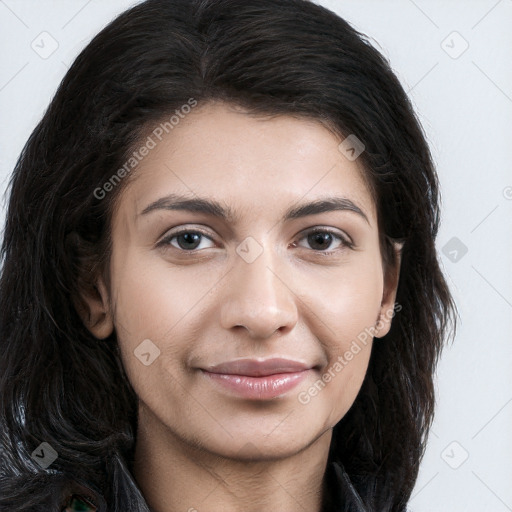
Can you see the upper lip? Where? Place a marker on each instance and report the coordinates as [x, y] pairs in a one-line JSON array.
[[258, 368]]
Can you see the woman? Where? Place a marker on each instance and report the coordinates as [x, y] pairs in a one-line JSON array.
[[220, 288]]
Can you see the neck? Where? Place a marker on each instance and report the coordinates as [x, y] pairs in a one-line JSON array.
[[175, 475]]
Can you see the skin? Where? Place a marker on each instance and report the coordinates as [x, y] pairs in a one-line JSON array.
[[198, 447]]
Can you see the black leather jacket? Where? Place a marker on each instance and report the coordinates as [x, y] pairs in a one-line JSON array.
[[341, 495]]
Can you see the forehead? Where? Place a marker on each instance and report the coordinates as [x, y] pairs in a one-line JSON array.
[[218, 150]]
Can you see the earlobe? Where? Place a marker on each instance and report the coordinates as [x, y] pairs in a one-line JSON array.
[[94, 310], [387, 309]]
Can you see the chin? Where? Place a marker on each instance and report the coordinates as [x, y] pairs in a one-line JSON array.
[[261, 445]]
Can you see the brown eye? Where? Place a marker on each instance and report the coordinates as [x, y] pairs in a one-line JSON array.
[[322, 240], [185, 240]]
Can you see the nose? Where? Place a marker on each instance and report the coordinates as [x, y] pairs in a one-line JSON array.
[[258, 298]]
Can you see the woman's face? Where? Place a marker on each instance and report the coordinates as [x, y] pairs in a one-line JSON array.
[[236, 280]]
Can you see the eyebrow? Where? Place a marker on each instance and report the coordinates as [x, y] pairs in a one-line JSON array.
[[216, 209]]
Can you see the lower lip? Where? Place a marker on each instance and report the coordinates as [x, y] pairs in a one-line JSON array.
[[258, 388]]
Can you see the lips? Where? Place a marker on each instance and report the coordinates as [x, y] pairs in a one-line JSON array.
[[258, 368], [257, 379]]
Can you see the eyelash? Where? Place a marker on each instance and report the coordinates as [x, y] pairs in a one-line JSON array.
[[345, 242]]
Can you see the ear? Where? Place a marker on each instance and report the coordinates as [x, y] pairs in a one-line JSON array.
[[388, 308], [94, 310], [90, 296]]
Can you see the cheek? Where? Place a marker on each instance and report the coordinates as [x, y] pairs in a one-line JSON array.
[[156, 303], [152, 300], [346, 301], [344, 309]]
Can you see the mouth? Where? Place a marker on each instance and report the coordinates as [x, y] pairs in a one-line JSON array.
[[258, 379]]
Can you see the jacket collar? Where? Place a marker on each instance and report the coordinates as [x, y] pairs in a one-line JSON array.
[[341, 495]]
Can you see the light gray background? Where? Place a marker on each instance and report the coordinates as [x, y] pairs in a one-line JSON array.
[[464, 98]]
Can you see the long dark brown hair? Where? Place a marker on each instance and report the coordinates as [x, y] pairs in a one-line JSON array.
[[62, 386]]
